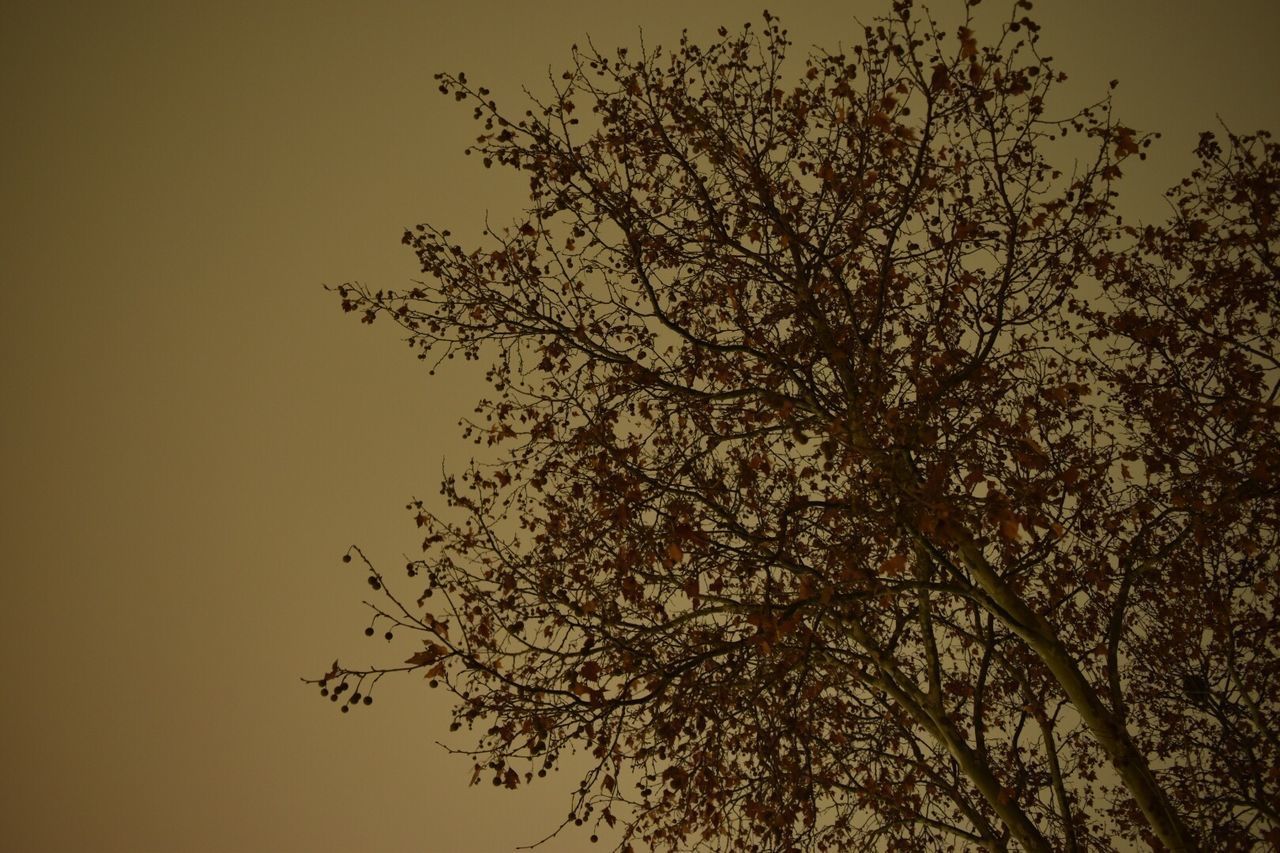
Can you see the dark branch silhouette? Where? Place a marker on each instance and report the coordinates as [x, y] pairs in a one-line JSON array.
[[866, 481]]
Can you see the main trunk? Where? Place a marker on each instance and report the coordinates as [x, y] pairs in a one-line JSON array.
[[1111, 735]]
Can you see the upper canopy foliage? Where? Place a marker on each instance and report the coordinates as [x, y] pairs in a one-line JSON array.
[[867, 482]]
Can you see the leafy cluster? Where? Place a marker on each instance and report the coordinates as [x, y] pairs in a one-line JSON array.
[[865, 481]]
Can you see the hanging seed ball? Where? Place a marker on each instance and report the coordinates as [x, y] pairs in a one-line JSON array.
[[346, 558], [368, 632], [368, 700]]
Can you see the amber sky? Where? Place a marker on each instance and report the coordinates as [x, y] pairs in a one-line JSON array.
[[192, 433]]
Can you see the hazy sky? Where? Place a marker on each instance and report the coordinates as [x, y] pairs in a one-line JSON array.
[[193, 433]]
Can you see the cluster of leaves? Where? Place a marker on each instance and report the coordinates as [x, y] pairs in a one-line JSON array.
[[865, 480]]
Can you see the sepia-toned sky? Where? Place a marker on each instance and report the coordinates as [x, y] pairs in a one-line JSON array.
[[193, 433]]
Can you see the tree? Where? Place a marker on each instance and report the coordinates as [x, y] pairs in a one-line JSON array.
[[865, 480]]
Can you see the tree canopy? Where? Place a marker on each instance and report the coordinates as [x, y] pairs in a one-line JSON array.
[[862, 479]]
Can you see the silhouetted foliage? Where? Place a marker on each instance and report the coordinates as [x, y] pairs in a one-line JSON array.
[[866, 482]]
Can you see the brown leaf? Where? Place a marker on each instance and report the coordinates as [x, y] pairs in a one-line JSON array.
[[1125, 142], [894, 565], [941, 79], [428, 655]]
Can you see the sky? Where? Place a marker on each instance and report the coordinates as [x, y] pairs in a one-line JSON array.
[[192, 433]]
